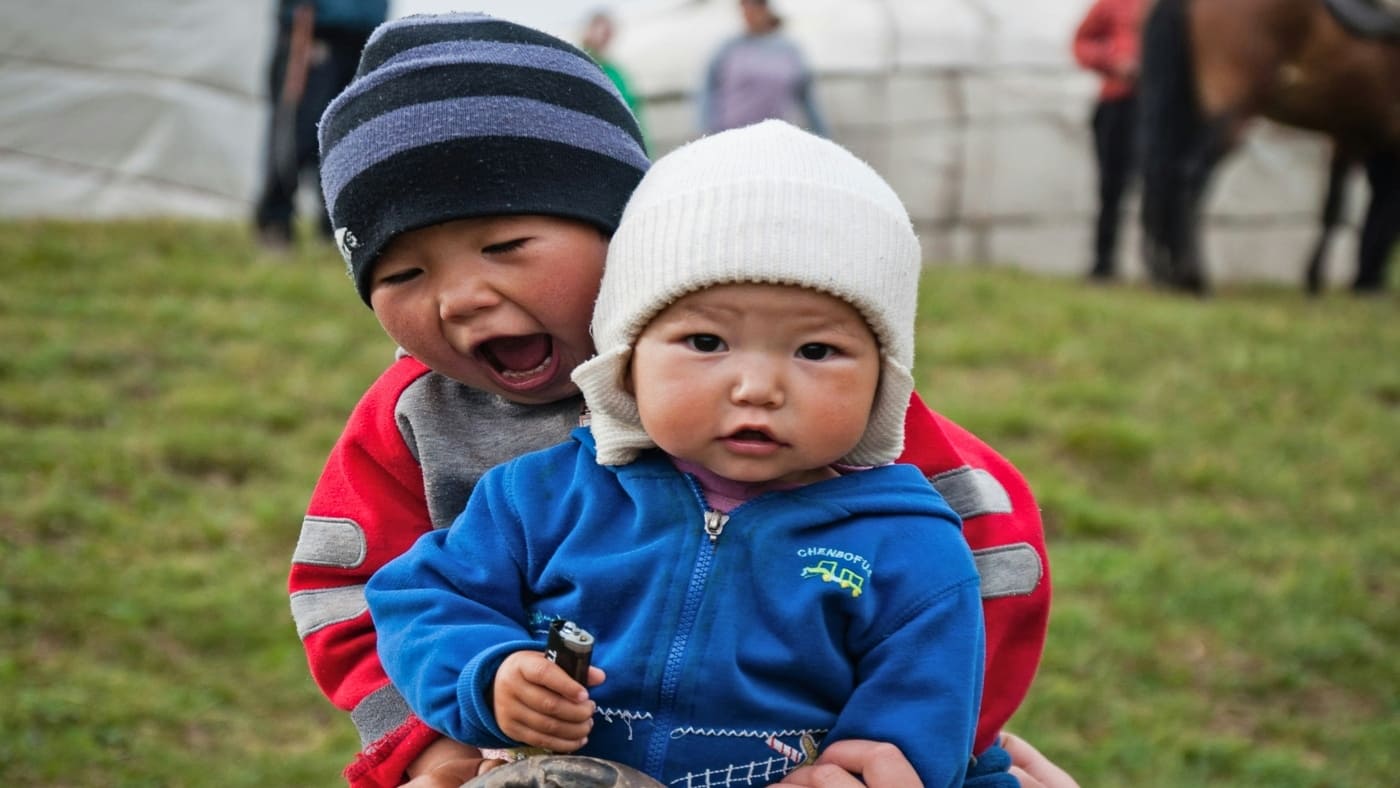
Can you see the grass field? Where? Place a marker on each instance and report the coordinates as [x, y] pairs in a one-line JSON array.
[[1218, 480]]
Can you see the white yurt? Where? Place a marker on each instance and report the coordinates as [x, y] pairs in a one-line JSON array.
[[972, 109], [131, 107]]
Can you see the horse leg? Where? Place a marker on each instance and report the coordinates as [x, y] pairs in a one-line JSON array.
[[1332, 207], [1381, 228]]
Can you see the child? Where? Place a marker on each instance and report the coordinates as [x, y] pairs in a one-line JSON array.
[[486, 160], [754, 586]]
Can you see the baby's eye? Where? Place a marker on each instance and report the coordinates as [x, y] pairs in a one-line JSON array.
[[816, 351], [705, 343]]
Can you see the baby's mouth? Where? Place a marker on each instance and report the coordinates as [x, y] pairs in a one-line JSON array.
[[518, 358], [751, 436]]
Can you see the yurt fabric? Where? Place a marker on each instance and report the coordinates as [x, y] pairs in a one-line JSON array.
[[973, 110]]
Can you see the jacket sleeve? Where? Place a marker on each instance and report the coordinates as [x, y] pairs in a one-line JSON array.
[[451, 609], [1001, 523], [919, 686], [367, 507], [1093, 40]]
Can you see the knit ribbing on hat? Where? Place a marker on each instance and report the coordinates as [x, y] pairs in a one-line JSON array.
[[454, 116], [767, 203]]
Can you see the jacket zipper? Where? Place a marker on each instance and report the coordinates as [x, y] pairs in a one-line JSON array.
[[713, 521]]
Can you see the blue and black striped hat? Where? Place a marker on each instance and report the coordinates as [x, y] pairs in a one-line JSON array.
[[461, 115]]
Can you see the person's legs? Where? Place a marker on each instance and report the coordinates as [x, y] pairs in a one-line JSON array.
[[1113, 146], [272, 214], [338, 55]]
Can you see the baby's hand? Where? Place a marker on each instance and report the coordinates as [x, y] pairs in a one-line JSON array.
[[537, 704]]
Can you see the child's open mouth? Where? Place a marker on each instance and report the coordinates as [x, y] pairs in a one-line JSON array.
[[519, 360]]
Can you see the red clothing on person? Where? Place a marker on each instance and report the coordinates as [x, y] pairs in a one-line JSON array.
[[1109, 41]]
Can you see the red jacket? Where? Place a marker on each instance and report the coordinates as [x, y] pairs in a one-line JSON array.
[[370, 505], [1109, 41]]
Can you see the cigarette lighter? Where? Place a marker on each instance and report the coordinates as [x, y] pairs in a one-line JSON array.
[[571, 648]]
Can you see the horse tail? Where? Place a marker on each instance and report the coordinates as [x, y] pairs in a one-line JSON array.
[[1169, 122]]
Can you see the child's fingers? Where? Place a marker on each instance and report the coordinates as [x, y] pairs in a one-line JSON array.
[[548, 703], [530, 727], [537, 669], [528, 681], [878, 763], [553, 725], [596, 676], [532, 667], [537, 704]]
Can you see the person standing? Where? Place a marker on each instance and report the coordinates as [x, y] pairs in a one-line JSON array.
[[597, 35], [758, 75], [1108, 42], [317, 49]]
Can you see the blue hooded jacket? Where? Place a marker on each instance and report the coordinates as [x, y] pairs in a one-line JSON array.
[[844, 609]]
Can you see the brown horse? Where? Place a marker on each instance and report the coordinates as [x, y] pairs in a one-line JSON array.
[[1210, 66]]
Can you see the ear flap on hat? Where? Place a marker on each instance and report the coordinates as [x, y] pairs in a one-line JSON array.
[[883, 440], [612, 410]]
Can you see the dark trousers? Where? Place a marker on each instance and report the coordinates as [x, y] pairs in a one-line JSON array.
[[1115, 130], [336, 54]]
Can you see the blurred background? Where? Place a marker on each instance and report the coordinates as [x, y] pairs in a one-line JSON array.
[[974, 110], [1217, 477]]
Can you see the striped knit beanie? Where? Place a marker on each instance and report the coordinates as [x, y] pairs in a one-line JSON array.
[[767, 203], [462, 115]]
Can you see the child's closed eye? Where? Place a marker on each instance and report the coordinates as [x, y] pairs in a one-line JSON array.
[[399, 277], [504, 247]]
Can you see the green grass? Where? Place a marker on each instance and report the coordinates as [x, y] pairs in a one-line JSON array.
[[1217, 479]]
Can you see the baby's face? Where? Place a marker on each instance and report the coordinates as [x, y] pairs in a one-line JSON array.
[[499, 303], [757, 382]]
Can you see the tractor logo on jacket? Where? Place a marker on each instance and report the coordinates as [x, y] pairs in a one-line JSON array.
[[843, 576]]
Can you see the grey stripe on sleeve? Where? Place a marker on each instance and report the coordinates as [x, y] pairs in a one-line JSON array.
[[315, 610], [972, 492], [1008, 570], [378, 714], [330, 541]]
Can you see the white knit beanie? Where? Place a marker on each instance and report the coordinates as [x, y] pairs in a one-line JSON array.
[[767, 203]]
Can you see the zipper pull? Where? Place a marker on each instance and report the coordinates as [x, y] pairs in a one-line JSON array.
[[714, 523]]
